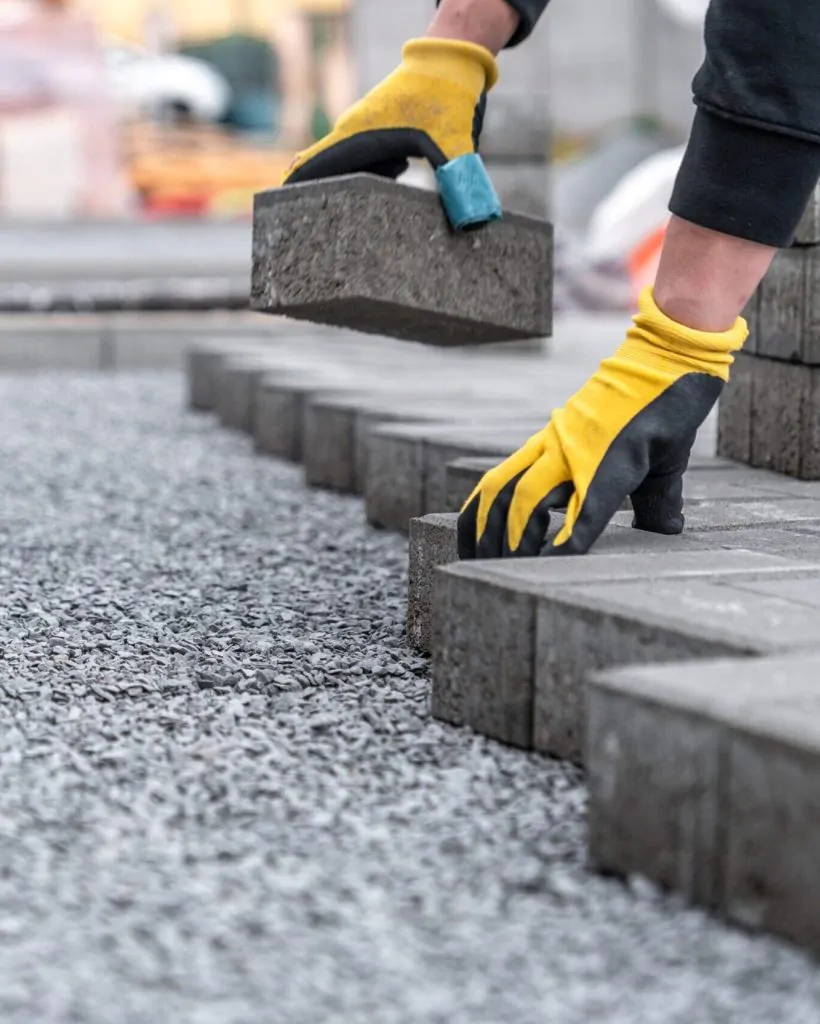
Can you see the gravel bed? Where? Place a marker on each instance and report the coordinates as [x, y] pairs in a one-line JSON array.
[[221, 797]]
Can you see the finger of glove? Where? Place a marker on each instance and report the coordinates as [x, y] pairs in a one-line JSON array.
[[618, 475], [658, 501], [482, 520], [544, 487], [656, 441], [487, 542], [658, 504]]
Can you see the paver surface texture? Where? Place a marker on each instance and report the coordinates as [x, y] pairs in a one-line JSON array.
[[222, 798]]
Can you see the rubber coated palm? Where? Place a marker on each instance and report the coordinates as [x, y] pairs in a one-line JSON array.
[[628, 431]]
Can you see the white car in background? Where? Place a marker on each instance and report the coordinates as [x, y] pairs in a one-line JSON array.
[[146, 83]]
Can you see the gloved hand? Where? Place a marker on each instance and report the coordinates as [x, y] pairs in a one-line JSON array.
[[432, 106], [628, 431]]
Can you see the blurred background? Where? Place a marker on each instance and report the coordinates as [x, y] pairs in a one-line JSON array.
[[134, 133]]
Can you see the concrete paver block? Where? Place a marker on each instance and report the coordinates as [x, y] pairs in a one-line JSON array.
[[432, 543], [808, 230], [704, 778], [735, 412], [581, 627], [379, 257], [638, 623], [279, 414], [788, 306], [407, 463], [461, 477], [772, 805], [205, 362], [769, 416], [235, 387], [529, 690], [783, 328], [785, 418]]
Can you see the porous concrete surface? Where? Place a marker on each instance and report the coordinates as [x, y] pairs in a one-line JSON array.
[[769, 416], [223, 800], [395, 267], [703, 778]]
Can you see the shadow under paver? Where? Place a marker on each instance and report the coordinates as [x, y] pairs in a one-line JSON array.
[[706, 778], [379, 257]]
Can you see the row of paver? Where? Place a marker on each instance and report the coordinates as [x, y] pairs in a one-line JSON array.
[[676, 670]]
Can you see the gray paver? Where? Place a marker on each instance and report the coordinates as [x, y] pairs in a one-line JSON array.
[[778, 398], [204, 364], [772, 806], [658, 621], [770, 416], [236, 381], [489, 666], [704, 778], [279, 411], [735, 412], [432, 543], [407, 462], [783, 329], [461, 477], [394, 267], [808, 230]]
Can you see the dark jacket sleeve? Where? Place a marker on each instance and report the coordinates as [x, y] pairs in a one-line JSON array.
[[753, 157]]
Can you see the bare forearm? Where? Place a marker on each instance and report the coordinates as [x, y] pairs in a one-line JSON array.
[[488, 23]]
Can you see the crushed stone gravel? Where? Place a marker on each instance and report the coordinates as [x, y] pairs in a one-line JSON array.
[[222, 799]]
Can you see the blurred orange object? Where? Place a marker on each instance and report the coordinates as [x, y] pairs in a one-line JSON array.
[[201, 169], [644, 259]]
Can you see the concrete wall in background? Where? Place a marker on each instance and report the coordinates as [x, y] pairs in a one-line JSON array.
[[381, 27], [672, 51], [601, 60], [590, 67]]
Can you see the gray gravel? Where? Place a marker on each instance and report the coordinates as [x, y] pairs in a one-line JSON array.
[[221, 797]]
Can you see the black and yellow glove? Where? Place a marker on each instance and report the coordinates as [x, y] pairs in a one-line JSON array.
[[628, 432], [431, 107]]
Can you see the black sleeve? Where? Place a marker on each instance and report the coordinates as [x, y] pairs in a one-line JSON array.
[[529, 11], [753, 157]]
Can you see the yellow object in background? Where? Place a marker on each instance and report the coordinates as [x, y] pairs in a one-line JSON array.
[[204, 20]]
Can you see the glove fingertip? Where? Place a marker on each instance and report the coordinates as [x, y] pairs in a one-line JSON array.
[[466, 528]]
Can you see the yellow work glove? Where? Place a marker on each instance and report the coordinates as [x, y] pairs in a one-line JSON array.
[[628, 432], [432, 106]]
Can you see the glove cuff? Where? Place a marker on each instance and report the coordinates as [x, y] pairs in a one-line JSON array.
[[706, 352], [465, 64]]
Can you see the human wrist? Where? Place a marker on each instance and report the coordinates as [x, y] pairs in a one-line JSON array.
[[488, 23]]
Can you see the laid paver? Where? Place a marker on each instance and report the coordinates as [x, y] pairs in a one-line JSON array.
[[770, 412], [203, 364], [704, 778], [394, 266], [808, 230], [432, 543], [513, 641], [462, 476], [407, 462]]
